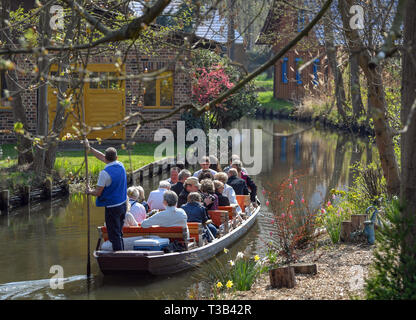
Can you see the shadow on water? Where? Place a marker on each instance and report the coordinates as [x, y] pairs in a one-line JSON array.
[[54, 233]]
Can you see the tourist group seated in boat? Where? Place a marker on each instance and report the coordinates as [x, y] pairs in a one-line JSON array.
[[182, 198], [214, 189]]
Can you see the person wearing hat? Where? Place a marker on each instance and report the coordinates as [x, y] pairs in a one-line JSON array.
[[111, 193]]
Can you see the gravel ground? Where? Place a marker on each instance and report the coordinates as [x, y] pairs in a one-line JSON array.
[[342, 269]]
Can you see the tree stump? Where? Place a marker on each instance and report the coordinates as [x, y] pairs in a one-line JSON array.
[[305, 268], [282, 277], [357, 221], [346, 228]]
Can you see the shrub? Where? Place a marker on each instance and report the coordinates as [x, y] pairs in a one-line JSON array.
[[213, 75], [393, 272], [293, 223], [331, 218], [370, 182]]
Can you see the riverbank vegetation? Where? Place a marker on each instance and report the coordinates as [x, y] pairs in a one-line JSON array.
[[69, 164]]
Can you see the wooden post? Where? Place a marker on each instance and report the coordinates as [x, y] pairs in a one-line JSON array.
[[305, 268], [159, 168], [151, 170], [282, 277], [357, 221], [65, 187], [25, 194], [225, 219], [346, 228], [4, 201], [48, 188]]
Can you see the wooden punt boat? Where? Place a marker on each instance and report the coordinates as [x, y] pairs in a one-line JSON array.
[[160, 263]]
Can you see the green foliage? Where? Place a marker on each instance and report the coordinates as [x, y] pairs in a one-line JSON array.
[[267, 101], [239, 274], [244, 102], [369, 185], [393, 272], [332, 217]]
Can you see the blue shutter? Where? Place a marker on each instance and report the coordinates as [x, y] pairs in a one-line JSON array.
[[315, 71], [298, 78], [301, 20], [284, 70]]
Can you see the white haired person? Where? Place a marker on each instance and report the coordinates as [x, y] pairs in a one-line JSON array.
[[136, 212], [171, 216], [233, 158], [142, 198], [155, 200], [228, 190]]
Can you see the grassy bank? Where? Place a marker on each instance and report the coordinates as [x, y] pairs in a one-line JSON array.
[[266, 99], [268, 102], [70, 163], [263, 82]]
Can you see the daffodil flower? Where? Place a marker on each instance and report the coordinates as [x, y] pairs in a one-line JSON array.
[[231, 262], [219, 284], [225, 250], [240, 255], [229, 284], [256, 258]]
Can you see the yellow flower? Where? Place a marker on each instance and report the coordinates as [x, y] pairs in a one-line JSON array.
[[229, 284], [256, 258], [219, 285], [225, 250]]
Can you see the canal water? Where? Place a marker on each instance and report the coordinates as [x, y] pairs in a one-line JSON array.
[[35, 238]]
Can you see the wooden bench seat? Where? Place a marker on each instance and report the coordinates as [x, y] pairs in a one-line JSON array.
[[232, 210], [173, 233], [243, 201]]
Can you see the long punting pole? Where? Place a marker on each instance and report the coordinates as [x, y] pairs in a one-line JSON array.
[[87, 182]]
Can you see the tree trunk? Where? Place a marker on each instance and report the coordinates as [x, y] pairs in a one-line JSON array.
[[43, 112], [332, 59], [231, 29], [377, 102], [408, 138], [355, 88], [59, 121], [24, 144]]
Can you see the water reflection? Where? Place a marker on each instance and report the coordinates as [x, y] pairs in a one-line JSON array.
[[55, 233]]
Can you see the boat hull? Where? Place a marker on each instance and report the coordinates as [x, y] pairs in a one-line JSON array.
[[158, 263]]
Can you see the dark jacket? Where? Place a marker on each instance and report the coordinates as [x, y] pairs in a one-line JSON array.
[[182, 198], [145, 205], [239, 185], [213, 205], [195, 212], [177, 188], [222, 200], [251, 186]]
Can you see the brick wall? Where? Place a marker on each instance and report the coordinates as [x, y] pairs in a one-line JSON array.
[[134, 93]]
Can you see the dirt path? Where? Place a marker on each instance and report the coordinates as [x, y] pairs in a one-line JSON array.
[[341, 272]]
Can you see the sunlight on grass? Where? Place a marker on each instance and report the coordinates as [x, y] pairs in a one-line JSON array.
[[267, 100], [72, 162]]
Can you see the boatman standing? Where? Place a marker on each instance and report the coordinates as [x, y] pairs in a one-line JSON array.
[[111, 193]]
